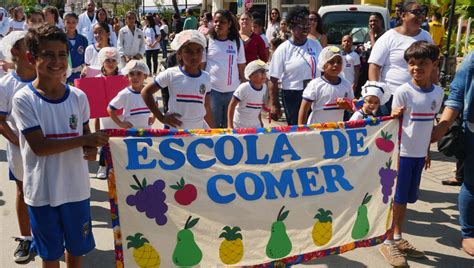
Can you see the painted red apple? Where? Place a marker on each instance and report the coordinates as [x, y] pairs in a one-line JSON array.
[[385, 143], [185, 193]]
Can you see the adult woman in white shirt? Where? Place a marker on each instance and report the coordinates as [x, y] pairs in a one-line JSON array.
[[152, 43], [131, 44], [273, 24], [386, 62]]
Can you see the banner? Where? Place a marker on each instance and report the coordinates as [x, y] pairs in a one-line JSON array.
[[100, 91], [246, 197]]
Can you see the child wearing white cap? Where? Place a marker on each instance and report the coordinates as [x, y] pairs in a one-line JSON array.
[[247, 101], [135, 112], [14, 49], [189, 103], [322, 93], [374, 94]]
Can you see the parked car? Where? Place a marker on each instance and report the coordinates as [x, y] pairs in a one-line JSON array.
[[340, 20]]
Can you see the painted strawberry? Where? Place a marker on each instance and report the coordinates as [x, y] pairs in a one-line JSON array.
[[385, 143], [185, 193]]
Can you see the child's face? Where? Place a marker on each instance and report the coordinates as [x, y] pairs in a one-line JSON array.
[[49, 17], [51, 61], [70, 24], [259, 77], [371, 104], [136, 78], [257, 29], [110, 65], [101, 16], [20, 54], [421, 69], [100, 34], [35, 19], [191, 54], [334, 66], [347, 43], [221, 25]]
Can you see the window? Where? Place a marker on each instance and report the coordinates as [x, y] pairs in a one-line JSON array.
[[338, 24]]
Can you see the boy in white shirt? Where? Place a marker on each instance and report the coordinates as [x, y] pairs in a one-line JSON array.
[[419, 100], [322, 93], [131, 42], [55, 141], [14, 48], [352, 69], [247, 102], [135, 112]]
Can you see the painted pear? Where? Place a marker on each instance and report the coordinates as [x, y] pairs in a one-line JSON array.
[[361, 226], [187, 252], [279, 244]]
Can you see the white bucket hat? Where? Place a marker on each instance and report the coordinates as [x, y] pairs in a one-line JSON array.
[[254, 66], [135, 65], [378, 89], [7, 43], [108, 53], [188, 36], [327, 54]]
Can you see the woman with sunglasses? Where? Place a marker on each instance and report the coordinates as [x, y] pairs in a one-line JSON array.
[[386, 62], [316, 31], [273, 23], [294, 64]]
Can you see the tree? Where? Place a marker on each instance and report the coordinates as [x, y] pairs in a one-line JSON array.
[[175, 6]]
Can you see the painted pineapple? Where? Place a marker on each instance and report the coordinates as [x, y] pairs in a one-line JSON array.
[[144, 254], [322, 229], [231, 250]]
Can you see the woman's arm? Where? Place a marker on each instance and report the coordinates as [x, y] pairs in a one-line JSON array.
[[275, 110], [230, 112], [208, 117], [374, 72], [303, 113]]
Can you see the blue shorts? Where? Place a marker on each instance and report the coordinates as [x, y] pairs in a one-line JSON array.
[[409, 177], [11, 176], [66, 226]]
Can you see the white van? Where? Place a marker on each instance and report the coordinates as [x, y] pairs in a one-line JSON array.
[[340, 20]]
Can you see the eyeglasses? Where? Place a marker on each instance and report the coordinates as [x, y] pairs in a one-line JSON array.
[[301, 26], [416, 12]]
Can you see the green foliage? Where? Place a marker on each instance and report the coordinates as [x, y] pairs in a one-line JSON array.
[[124, 8]]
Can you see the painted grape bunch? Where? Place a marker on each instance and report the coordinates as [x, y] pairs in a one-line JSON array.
[[149, 199], [387, 179]]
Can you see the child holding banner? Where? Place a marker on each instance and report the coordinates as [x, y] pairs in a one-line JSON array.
[[135, 112], [419, 100], [321, 93], [189, 103], [55, 141], [247, 102], [14, 49], [374, 94]]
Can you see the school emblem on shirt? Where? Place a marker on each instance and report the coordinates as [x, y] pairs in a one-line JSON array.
[[85, 229], [80, 50], [202, 89], [139, 36], [433, 105], [73, 121]]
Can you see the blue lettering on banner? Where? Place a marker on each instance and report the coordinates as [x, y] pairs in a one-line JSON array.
[[279, 150], [329, 152], [240, 187], [252, 155], [337, 176], [172, 154], [237, 151], [134, 154], [285, 183], [193, 157], [307, 182], [356, 138], [214, 194]]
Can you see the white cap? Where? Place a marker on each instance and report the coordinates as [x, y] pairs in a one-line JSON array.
[[108, 53], [8, 42], [327, 54], [377, 89], [254, 66], [188, 36], [135, 65]]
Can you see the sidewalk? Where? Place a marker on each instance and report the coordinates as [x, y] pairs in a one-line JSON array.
[[432, 223]]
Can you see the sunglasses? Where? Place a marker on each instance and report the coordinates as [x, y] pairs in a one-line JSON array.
[[301, 26], [312, 19], [416, 12]]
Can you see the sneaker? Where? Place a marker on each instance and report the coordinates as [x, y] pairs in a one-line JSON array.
[[102, 172], [393, 255], [407, 248], [22, 252]]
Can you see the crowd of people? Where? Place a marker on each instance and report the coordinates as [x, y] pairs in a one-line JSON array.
[[223, 71]]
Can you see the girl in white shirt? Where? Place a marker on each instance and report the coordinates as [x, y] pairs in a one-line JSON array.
[[189, 104], [101, 35], [18, 23], [152, 44]]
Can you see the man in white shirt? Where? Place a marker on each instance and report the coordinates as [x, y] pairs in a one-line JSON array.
[[86, 19]]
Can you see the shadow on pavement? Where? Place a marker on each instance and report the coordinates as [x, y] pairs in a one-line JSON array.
[[439, 197], [99, 196], [93, 166], [99, 258], [2, 202], [443, 260], [336, 260], [102, 215], [437, 156], [3, 156]]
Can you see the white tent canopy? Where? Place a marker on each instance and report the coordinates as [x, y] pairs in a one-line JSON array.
[[151, 7]]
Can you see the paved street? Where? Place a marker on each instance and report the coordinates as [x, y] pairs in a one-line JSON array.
[[432, 226]]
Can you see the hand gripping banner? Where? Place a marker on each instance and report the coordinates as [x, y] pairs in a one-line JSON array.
[[251, 197]]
